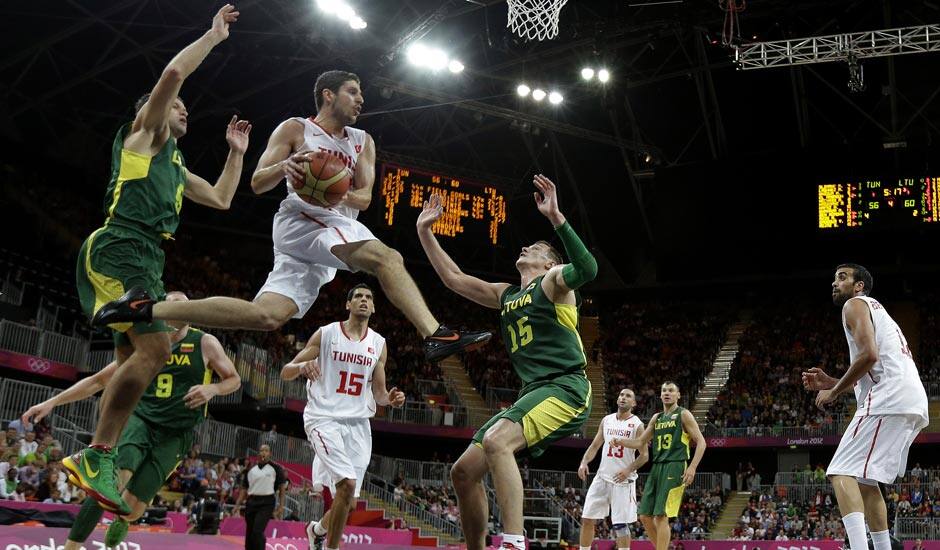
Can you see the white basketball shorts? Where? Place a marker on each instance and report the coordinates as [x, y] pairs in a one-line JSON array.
[[303, 261], [874, 448], [342, 448], [604, 497]]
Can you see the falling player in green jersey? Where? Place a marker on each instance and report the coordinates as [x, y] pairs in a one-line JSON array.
[[142, 204], [539, 324], [160, 430], [671, 431]]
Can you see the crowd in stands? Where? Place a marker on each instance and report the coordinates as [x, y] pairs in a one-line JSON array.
[[781, 342], [917, 494], [643, 343], [31, 466], [774, 516], [928, 358], [438, 501]]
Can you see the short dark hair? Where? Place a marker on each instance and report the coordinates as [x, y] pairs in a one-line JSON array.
[[142, 100], [553, 253], [859, 273], [331, 80], [670, 383], [352, 291]]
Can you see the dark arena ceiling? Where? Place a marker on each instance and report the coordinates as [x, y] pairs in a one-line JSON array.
[[70, 71]]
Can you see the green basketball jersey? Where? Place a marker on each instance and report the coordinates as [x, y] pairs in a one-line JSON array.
[[670, 442], [541, 336], [145, 193], [162, 403]]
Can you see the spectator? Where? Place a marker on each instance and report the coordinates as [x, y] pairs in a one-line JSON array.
[[28, 445], [20, 427], [9, 484]]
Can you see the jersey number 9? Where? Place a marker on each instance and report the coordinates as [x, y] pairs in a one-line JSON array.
[[164, 385]]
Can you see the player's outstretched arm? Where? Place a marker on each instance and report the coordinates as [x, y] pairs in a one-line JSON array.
[[591, 452], [154, 116], [468, 286], [360, 196], [582, 269], [279, 160], [220, 195], [85, 387], [858, 320], [383, 396], [690, 426], [305, 362], [638, 442], [214, 355]]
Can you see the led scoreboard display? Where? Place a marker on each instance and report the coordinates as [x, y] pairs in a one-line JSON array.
[[471, 210], [879, 203]]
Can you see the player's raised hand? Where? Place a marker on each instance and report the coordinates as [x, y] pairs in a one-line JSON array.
[[396, 397], [546, 199], [226, 16], [432, 211], [583, 471], [236, 134], [36, 413], [816, 379], [198, 396]]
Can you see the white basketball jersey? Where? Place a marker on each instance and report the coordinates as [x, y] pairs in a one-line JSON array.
[[346, 148], [615, 458], [344, 389], [892, 386]]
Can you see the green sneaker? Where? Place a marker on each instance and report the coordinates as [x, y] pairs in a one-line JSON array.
[[93, 469], [116, 532]]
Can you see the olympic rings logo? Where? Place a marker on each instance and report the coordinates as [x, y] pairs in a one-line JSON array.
[[38, 365]]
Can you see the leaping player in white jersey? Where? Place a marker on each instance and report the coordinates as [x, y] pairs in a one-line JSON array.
[[312, 242], [344, 363], [613, 491], [891, 411]]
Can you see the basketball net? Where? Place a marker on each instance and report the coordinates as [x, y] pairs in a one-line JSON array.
[[535, 19]]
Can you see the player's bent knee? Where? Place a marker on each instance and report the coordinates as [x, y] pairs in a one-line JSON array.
[[154, 348], [346, 487]]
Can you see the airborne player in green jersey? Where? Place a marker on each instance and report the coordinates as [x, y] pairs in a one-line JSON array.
[[539, 324], [671, 432], [160, 430], [142, 204]]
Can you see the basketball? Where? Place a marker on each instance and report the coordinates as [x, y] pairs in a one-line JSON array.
[[326, 180]]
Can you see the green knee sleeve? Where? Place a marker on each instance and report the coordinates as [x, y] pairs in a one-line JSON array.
[[88, 517]]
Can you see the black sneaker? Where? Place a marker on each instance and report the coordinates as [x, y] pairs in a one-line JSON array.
[[136, 306], [446, 342]]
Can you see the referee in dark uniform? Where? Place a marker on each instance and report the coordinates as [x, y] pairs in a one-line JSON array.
[[259, 483]]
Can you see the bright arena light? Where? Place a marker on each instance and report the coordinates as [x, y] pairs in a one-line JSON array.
[[538, 94], [418, 54], [603, 75], [554, 98], [344, 12], [522, 90], [358, 24], [329, 6], [587, 73], [437, 59], [455, 66]]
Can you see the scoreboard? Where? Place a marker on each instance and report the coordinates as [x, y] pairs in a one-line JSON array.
[[472, 211], [879, 203]]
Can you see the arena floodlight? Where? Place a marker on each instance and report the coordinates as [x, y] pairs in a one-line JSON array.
[[587, 73], [329, 6], [522, 90], [418, 54], [437, 59], [455, 66], [555, 98], [538, 94], [358, 24], [603, 75], [345, 12]]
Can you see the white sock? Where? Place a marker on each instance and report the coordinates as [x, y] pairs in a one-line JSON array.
[[628, 548], [881, 540], [855, 529], [517, 541], [318, 529], [585, 547]]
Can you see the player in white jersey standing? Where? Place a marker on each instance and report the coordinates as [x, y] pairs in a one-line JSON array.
[[344, 363], [613, 490], [891, 411], [312, 242]]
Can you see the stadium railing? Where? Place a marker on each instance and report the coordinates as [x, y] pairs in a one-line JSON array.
[[379, 488], [835, 428], [50, 345], [11, 292], [906, 528]]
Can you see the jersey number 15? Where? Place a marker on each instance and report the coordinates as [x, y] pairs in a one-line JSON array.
[[350, 383]]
